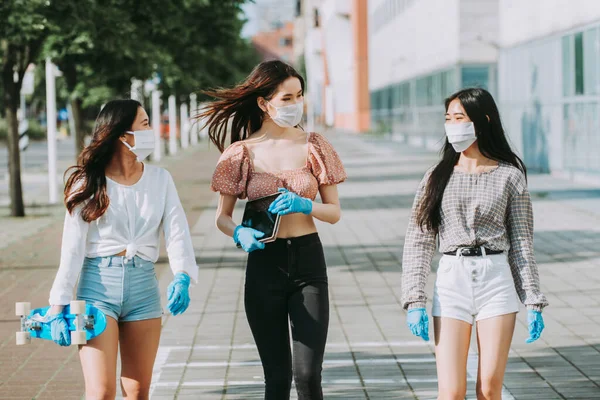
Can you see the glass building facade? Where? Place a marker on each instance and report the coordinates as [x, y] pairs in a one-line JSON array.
[[581, 100], [549, 91], [414, 109]]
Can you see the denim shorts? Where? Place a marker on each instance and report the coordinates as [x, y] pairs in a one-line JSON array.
[[126, 290]]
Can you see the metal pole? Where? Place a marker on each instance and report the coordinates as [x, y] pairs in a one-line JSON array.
[[203, 130], [71, 119], [193, 112], [23, 107], [156, 125], [184, 125], [51, 124], [136, 88], [310, 118], [172, 125]]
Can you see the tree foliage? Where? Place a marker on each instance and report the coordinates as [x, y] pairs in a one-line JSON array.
[[100, 45]]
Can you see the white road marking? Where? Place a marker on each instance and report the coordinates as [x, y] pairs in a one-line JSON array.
[[356, 381], [161, 359], [341, 345], [337, 362]]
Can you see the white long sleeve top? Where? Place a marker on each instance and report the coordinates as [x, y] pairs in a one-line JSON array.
[[132, 223]]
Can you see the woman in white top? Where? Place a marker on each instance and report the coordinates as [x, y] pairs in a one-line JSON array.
[[116, 206]]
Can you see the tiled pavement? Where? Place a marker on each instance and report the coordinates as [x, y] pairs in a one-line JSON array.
[[208, 352], [29, 255]]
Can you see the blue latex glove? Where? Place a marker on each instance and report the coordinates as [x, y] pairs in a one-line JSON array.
[[535, 322], [246, 238], [178, 294], [418, 323], [289, 203], [59, 330]]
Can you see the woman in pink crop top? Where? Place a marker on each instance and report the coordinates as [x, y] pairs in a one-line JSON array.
[[287, 278]]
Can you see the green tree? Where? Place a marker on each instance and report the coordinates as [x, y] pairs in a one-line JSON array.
[[101, 45], [24, 27], [204, 46], [98, 47]]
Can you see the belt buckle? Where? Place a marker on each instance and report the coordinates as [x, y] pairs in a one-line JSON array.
[[467, 252]]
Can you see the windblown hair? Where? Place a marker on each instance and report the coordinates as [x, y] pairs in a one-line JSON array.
[[236, 109], [86, 185]]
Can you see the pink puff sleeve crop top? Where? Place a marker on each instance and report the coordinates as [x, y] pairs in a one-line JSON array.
[[235, 174]]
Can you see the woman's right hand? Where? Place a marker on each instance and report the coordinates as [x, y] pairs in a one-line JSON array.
[[59, 327], [247, 238], [418, 323]]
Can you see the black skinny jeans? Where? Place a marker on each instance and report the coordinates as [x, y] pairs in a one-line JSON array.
[[288, 279]]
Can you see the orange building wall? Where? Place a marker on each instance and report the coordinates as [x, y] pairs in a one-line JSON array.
[[268, 44], [362, 118]]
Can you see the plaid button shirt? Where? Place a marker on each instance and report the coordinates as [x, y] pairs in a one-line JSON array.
[[491, 209]]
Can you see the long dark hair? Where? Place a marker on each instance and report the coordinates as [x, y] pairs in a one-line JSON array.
[[87, 182], [479, 106], [240, 102]]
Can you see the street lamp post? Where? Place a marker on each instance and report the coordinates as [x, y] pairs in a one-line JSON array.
[[156, 125], [194, 125], [310, 113], [136, 88], [51, 124], [184, 125], [172, 125], [202, 128]]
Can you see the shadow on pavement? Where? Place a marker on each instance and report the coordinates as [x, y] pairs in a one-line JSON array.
[[376, 374], [356, 178], [567, 194], [387, 257], [556, 373], [377, 202]]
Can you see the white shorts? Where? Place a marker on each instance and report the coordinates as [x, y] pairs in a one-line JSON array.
[[477, 288]]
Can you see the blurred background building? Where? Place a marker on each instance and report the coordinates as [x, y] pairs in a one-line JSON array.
[[422, 51], [337, 61], [276, 43], [264, 15], [549, 83], [388, 65]]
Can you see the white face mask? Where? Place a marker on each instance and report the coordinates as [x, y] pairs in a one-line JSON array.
[[461, 135], [143, 143], [288, 116]]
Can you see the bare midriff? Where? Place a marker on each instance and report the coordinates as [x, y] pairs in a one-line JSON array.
[[295, 225]]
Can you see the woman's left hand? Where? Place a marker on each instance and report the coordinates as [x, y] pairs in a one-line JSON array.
[[178, 294], [535, 323], [289, 203]]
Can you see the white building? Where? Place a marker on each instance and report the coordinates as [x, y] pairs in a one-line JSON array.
[[308, 24], [549, 84], [336, 56], [265, 15], [422, 51]]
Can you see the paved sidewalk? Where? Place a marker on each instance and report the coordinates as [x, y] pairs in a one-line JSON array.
[[29, 256], [34, 176], [208, 352]]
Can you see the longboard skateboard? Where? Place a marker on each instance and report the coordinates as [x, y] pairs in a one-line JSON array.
[[85, 322]]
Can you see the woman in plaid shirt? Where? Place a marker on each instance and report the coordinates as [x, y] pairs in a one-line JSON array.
[[476, 202]]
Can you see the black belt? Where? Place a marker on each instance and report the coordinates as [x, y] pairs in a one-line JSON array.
[[473, 252]]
